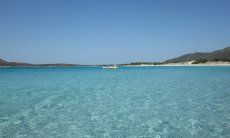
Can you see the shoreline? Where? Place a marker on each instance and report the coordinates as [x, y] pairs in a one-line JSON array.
[[200, 65], [42, 66], [177, 66], [180, 64], [189, 63]]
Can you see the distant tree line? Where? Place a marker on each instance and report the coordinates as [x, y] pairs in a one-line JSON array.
[[199, 61], [146, 63], [222, 59]]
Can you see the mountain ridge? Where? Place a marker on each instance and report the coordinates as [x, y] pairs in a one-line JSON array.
[[209, 56]]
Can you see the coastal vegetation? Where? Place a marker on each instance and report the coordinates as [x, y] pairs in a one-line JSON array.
[[222, 59], [199, 61], [146, 63], [202, 61]]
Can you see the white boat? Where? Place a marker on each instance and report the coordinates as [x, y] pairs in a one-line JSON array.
[[110, 67]]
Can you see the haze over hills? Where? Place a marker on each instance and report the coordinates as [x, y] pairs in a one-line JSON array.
[[218, 55]]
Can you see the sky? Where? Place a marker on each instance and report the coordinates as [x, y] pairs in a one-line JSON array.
[[110, 31]]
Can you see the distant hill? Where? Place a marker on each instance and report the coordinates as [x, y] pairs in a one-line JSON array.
[[18, 64], [2, 62], [219, 55]]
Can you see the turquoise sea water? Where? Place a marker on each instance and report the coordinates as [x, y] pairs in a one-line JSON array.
[[128, 102]]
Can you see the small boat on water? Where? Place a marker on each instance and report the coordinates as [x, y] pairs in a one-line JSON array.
[[110, 67]]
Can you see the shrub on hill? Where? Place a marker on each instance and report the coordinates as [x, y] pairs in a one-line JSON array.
[[198, 61], [222, 59]]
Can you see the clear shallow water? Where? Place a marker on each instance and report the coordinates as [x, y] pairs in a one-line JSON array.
[[128, 102]]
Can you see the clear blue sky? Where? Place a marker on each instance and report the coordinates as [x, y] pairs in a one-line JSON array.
[[110, 31]]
